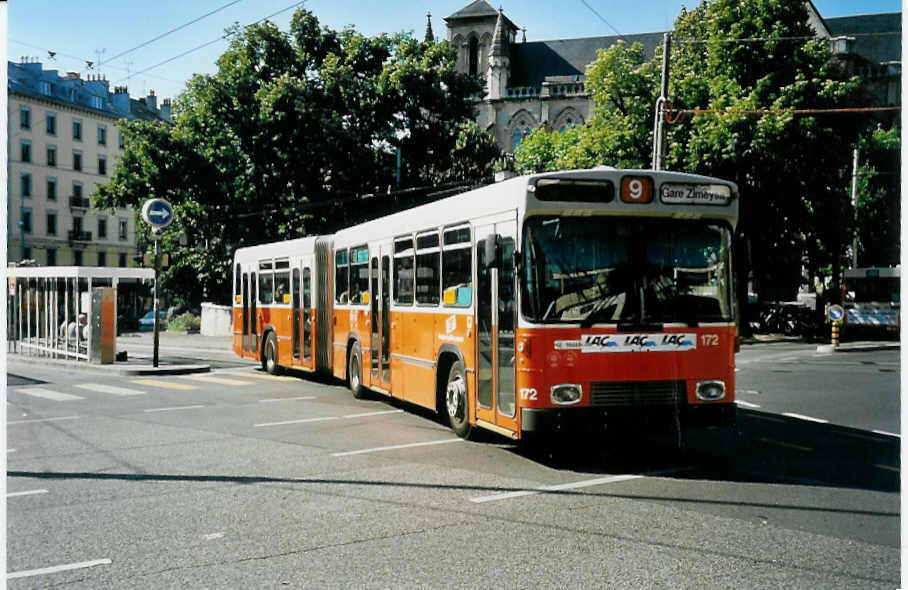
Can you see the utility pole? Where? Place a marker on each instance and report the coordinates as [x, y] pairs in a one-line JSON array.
[[157, 275], [659, 122], [854, 204]]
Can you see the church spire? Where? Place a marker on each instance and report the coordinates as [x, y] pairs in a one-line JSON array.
[[500, 45], [430, 37], [499, 61]]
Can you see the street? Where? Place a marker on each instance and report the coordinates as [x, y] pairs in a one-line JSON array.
[[236, 478]]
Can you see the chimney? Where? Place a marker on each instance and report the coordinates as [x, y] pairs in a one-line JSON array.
[[98, 85], [121, 98], [165, 109], [72, 75], [151, 101]]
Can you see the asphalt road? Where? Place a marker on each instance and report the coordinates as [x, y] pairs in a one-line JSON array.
[[237, 480]]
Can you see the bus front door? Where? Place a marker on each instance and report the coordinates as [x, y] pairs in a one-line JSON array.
[[496, 319], [381, 319]]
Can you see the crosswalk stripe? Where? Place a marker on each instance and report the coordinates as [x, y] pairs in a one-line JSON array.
[[48, 394], [218, 380], [165, 384], [111, 389], [267, 376]]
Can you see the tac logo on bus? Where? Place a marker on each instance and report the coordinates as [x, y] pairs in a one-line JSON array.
[[637, 342]]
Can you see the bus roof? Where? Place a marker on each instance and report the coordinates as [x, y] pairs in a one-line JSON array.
[[275, 249]]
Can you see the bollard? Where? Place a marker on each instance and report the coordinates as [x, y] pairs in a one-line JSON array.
[[835, 333]]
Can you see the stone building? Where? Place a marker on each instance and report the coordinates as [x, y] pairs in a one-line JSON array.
[[535, 83], [63, 140]]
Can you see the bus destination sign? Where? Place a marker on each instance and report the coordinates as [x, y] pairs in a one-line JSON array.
[[675, 193]]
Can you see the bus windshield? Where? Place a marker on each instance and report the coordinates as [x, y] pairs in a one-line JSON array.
[[632, 270]]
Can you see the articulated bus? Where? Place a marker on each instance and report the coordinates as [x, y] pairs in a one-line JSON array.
[[543, 303]]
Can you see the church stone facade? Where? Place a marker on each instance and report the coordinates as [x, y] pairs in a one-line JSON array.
[[530, 84]]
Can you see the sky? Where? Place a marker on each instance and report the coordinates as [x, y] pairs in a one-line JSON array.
[[107, 32]]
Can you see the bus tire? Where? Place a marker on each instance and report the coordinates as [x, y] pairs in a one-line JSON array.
[[269, 355], [457, 403], [355, 373]]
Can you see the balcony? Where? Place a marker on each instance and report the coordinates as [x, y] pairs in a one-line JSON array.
[[79, 236], [79, 203]]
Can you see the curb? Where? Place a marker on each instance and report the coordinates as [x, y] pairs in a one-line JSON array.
[[121, 369]]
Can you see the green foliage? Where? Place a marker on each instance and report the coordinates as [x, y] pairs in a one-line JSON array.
[[184, 322], [879, 198], [289, 121]]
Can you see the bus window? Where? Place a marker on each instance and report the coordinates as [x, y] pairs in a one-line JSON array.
[[359, 275], [266, 283], [457, 274], [427, 269], [341, 277], [403, 271]]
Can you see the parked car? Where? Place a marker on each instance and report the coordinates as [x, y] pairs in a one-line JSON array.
[[146, 322]]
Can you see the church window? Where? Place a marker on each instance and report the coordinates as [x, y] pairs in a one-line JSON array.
[[474, 56]]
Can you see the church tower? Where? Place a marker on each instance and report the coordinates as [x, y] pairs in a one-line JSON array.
[[499, 61], [471, 30]]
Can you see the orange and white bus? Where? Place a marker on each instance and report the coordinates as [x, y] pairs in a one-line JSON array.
[[541, 303]]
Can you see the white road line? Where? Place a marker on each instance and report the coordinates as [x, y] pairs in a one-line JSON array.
[[173, 408], [373, 413], [803, 417], [744, 404], [215, 380], [28, 493], [212, 536], [111, 389], [57, 568], [50, 394], [555, 488], [395, 447], [884, 433], [303, 421], [10, 450], [285, 399], [60, 419]]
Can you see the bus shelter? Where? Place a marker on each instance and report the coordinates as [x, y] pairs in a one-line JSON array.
[[66, 311]]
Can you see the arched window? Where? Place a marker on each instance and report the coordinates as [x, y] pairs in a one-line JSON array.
[[517, 138], [474, 56]]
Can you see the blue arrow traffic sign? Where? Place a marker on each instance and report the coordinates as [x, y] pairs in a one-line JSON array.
[[157, 213], [836, 312]]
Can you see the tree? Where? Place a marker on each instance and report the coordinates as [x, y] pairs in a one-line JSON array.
[[289, 123], [879, 194]]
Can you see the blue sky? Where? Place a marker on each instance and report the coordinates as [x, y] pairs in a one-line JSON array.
[[99, 30]]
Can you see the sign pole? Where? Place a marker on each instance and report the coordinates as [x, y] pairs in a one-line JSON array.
[[157, 273]]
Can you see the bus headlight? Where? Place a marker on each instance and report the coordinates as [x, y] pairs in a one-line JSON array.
[[566, 394], [710, 391]]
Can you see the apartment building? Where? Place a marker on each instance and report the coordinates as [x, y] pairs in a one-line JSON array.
[[63, 141]]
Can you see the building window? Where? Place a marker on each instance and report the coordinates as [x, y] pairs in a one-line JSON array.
[[27, 222], [96, 102], [51, 155], [51, 121], [122, 259], [102, 165], [51, 223], [77, 161], [77, 129], [51, 257], [25, 151], [25, 118], [124, 229], [474, 56], [26, 185], [102, 227], [77, 190], [77, 257], [26, 253], [102, 258], [44, 87], [102, 135], [51, 189]]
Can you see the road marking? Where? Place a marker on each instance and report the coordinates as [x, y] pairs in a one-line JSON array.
[[57, 568], [60, 419], [28, 493], [99, 387], [748, 391], [268, 377], [285, 399], [884, 433], [48, 394], [165, 384], [302, 421], [744, 404], [555, 488], [803, 417], [10, 450], [212, 536], [173, 408], [395, 447], [373, 414], [218, 380]]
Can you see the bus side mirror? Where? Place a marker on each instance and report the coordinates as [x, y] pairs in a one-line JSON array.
[[491, 251]]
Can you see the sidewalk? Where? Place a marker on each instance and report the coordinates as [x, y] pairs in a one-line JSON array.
[[849, 346], [178, 354]]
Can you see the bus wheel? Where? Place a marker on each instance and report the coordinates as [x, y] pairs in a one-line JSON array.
[[355, 373], [456, 401], [269, 355]]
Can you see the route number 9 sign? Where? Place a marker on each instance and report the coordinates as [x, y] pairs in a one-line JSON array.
[[637, 189]]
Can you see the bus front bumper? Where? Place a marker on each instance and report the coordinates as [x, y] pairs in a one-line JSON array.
[[598, 419]]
